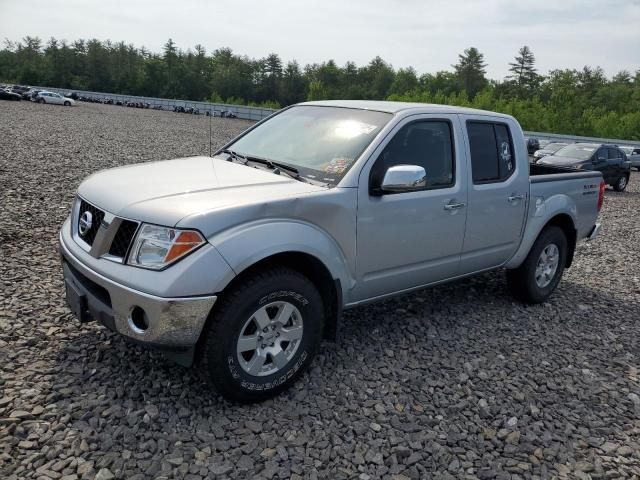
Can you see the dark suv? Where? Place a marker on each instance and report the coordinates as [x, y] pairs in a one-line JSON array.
[[605, 158], [533, 144]]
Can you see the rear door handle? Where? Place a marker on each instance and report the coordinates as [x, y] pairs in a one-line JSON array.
[[454, 206], [514, 198]]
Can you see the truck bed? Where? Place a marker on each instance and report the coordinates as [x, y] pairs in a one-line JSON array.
[[569, 189], [552, 173]]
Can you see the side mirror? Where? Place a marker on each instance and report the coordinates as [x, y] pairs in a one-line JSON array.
[[404, 178]]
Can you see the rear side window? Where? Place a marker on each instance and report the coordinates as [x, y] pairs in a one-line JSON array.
[[491, 152], [614, 153]]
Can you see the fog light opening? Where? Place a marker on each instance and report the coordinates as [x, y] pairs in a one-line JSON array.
[[138, 320]]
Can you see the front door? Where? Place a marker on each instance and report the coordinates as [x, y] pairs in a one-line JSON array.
[[409, 239], [614, 163], [498, 189], [601, 163]]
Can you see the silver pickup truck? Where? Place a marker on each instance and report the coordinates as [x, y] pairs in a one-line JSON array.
[[246, 260]]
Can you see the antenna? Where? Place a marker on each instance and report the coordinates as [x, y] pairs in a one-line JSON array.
[[209, 131]]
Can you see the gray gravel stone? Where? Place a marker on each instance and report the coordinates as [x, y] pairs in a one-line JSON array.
[[104, 474], [422, 386]]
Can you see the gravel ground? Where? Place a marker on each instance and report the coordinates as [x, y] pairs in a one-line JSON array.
[[458, 381]]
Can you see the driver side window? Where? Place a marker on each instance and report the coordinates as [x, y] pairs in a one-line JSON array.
[[427, 144]]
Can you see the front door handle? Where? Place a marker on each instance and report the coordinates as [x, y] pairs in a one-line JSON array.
[[454, 206], [514, 198]]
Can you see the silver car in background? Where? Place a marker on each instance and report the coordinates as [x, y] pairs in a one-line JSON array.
[[633, 154], [53, 98]]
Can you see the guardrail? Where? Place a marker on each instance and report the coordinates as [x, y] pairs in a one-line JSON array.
[[554, 137], [258, 113], [240, 111]]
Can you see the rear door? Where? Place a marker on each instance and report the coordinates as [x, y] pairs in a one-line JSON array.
[[497, 195]]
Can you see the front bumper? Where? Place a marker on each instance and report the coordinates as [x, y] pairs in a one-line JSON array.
[[172, 323]]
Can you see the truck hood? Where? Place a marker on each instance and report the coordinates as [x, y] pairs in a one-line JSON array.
[[167, 191], [562, 161], [542, 152]]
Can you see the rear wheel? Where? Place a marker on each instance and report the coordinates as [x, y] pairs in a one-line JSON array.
[[263, 335], [621, 184], [538, 276]]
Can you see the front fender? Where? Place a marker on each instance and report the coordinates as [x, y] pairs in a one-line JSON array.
[[541, 211], [247, 244]]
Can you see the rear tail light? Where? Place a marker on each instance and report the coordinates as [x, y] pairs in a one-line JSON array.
[[601, 194]]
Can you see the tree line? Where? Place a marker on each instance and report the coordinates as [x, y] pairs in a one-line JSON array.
[[569, 101]]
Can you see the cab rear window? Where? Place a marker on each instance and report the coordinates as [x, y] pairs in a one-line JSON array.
[[492, 158]]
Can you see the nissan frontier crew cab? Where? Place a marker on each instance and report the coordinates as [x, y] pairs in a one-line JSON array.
[[245, 260]]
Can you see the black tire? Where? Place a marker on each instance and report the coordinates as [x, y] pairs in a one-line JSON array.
[[522, 280], [621, 183], [220, 357], [41, 100], [67, 104]]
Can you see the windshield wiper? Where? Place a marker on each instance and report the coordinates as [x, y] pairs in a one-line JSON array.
[[273, 165], [235, 156], [277, 167]]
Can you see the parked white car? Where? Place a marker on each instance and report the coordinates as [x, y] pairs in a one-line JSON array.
[[54, 98]]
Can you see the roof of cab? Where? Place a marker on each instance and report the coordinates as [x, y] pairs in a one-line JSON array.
[[395, 107]]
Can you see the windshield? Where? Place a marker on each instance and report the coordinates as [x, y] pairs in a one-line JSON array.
[[581, 152], [554, 147], [321, 142], [627, 150]]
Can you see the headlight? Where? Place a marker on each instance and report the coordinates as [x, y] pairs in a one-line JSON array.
[[157, 247]]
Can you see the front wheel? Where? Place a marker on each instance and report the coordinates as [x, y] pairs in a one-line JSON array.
[[67, 104], [263, 335], [621, 184], [41, 100], [535, 280]]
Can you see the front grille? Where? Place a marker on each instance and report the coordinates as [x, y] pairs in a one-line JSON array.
[[92, 287], [123, 238], [97, 216]]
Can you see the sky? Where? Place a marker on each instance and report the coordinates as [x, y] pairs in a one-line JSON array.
[[425, 34]]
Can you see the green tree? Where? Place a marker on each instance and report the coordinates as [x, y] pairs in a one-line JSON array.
[[377, 78], [443, 81], [523, 71], [581, 102], [293, 86], [405, 80], [470, 71]]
